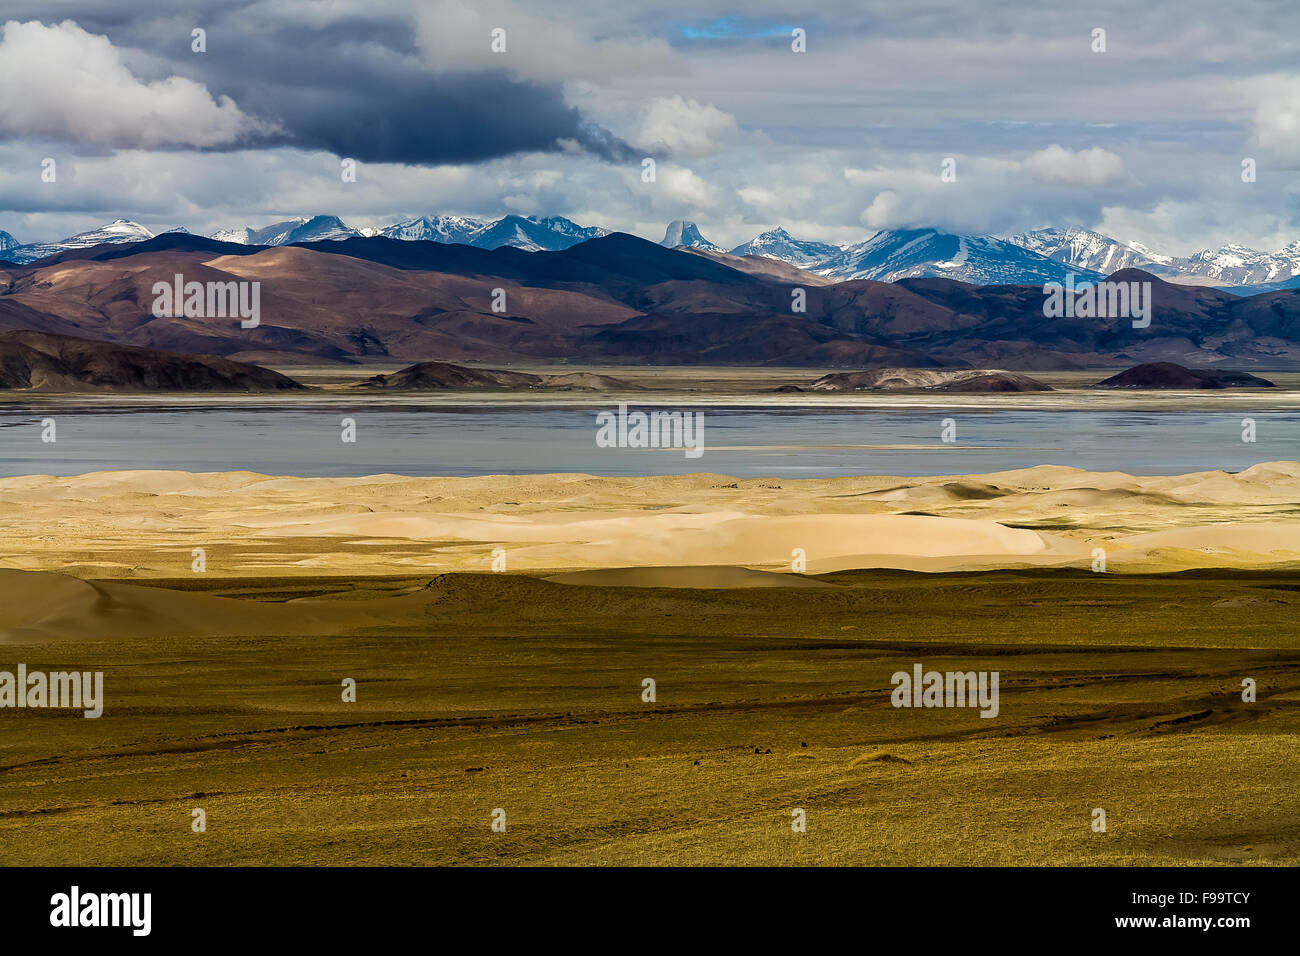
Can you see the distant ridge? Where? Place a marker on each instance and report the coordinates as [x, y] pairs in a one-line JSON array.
[[619, 299], [1043, 255], [120, 230], [164, 242]]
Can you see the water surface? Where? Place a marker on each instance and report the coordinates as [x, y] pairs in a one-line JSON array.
[[441, 438]]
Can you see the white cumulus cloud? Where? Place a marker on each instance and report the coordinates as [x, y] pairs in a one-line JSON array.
[[1084, 167], [683, 127], [1277, 121], [61, 82]]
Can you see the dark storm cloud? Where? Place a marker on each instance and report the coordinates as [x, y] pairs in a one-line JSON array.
[[356, 87], [421, 120]]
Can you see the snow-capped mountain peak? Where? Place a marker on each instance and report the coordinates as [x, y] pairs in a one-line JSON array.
[[779, 244], [523, 232], [318, 229], [531, 234], [434, 229], [567, 227], [272, 235], [1085, 249], [119, 230], [298, 229], [1235, 264], [1231, 264], [240, 236], [682, 232], [894, 254]]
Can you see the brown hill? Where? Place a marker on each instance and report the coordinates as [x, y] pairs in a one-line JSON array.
[[431, 376], [58, 363], [617, 300], [587, 382], [1169, 375], [763, 266], [931, 380], [436, 376]]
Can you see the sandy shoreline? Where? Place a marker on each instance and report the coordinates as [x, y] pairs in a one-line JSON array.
[[148, 523]]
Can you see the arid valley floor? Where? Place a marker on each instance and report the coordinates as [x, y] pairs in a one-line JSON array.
[[522, 691]]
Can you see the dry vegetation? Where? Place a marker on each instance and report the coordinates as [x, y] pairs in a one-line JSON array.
[[486, 691]]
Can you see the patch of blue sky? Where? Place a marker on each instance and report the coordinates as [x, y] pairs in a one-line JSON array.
[[732, 28]]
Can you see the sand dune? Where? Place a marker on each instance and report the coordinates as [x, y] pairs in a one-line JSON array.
[[1221, 545], [640, 539], [148, 523], [40, 606], [36, 607]]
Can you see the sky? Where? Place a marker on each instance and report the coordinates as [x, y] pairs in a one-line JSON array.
[[1140, 132]]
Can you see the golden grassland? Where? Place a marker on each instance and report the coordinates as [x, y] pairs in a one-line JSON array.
[[484, 691]]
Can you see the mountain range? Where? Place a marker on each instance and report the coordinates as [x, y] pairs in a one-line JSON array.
[[120, 230], [520, 232], [1045, 255], [1232, 265], [617, 299], [528, 233], [895, 254]]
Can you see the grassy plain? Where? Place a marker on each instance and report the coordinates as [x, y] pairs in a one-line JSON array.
[[483, 691]]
